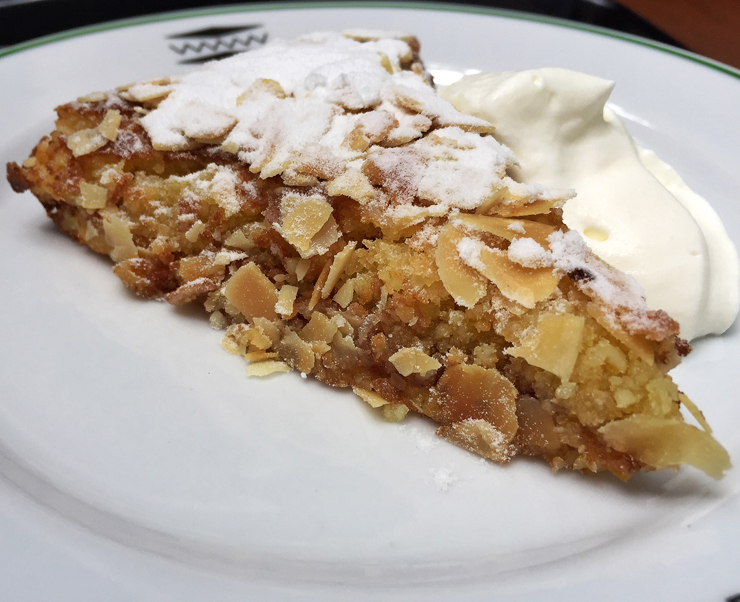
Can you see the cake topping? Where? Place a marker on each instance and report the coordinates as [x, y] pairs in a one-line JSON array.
[[328, 109]]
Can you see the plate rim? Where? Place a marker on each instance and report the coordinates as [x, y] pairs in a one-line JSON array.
[[379, 4]]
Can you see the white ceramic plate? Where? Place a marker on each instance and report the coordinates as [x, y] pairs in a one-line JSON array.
[[138, 462]]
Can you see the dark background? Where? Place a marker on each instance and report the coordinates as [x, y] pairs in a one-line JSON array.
[[708, 27], [24, 20]]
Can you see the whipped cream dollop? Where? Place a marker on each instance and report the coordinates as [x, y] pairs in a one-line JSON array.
[[632, 209]]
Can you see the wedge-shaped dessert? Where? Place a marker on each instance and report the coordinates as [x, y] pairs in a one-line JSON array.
[[337, 218]]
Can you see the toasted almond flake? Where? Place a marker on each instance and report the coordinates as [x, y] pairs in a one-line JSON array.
[[30, 162], [84, 142], [260, 356], [479, 437], [227, 257], [345, 294], [337, 267], [90, 231], [370, 397], [92, 196], [146, 91], [318, 287], [319, 328], [394, 412], [110, 124], [464, 283], [635, 343], [252, 293], [118, 235], [695, 412], [508, 228], [270, 327], [261, 88], [301, 268], [217, 320], [666, 443], [481, 393], [93, 97], [286, 298], [207, 123], [553, 344], [195, 231], [303, 217], [267, 367], [297, 352], [353, 184], [411, 360], [250, 336], [527, 286], [239, 240]]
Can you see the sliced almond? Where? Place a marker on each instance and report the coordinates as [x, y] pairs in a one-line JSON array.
[[110, 124], [410, 360], [319, 328], [318, 287], [464, 283], [303, 217], [148, 91], [301, 268], [394, 412], [260, 356], [286, 299], [345, 294], [206, 123], [635, 343], [353, 184], [267, 367], [370, 397], [118, 235], [337, 267], [261, 88], [526, 286], [199, 266], [195, 231], [666, 443], [239, 240], [475, 393], [92, 196], [93, 97], [84, 142], [508, 228], [695, 412], [553, 344], [299, 353], [479, 437], [252, 293]]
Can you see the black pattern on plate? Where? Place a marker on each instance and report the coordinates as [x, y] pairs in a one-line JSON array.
[[216, 42]]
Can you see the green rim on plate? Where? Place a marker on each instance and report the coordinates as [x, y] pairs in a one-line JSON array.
[[508, 14]]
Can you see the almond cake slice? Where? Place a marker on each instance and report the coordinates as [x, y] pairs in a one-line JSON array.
[[337, 218]]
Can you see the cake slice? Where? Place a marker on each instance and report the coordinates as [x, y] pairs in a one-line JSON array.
[[337, 218]]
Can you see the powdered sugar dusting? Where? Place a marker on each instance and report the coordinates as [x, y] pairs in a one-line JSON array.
[[443, 477], [469, 250], [618, 291], [529, 253], [322, 95], [516, 227]]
